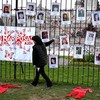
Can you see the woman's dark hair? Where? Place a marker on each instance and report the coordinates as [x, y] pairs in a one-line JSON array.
[[37, 39]]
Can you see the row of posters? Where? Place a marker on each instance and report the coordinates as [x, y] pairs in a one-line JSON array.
[[16, 45], [78, 53], [55, 10], [64, 40]]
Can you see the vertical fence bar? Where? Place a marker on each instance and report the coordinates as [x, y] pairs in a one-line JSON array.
[[15, 64]]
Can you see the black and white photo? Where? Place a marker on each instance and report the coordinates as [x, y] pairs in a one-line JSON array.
[[30, 9], [40, 17], [81, 14], [78, 51], [55, 9], [21, 18], [97, 58], [90, 38]]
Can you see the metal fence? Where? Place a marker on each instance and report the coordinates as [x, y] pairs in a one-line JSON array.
[[70, 70]]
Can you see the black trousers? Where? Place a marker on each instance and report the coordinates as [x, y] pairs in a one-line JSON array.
[[42, 72]]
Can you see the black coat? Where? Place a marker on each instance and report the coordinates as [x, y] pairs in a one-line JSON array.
[[39, 54]]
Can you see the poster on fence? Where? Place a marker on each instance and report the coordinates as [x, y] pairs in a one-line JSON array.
[[16, 43], [65, 18], [40, 17], [21, 18], [6, 11], [96, 18], [81, 14], [53, 61], [55, 9], [44, 35], [90, 38], [64, 42], [97, 58], [30, 9], [78, 51]]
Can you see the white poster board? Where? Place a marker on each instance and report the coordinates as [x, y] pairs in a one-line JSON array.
[[66, 18], [97, 58], [96, 18], [90, 38], [21, 18], [6, 12], [81, 14], [78, 51], [44, 35], [55, 9], [30, 9], [64, 42], [53, 61], [16, 43]]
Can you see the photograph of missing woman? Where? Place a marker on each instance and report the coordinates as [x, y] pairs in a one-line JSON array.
[[40, 17], [44, 35], [78, 51], [97, 58], [21, 17], [81, 13], [96, 18], [6, 10], [53, 61], [66, 18], [55, 9], [90, 38], [30, 9], [64, 42]]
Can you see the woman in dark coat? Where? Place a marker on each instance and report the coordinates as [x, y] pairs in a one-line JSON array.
[[39, 59]]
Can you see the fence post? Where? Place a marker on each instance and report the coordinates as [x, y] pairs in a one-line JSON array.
[[15, 64]]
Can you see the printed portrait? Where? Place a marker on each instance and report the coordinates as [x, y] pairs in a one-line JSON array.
[[97, 58], [78, 51], [90, 38], [30, 7], [55, 8], [20, 15], [53, 61], [65, 16], [80, 13], [64, 41], [44, 34], [96, 17], [6, 11], [40, 16]]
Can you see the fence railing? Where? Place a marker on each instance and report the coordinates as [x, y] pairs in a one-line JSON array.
[[70, 70]]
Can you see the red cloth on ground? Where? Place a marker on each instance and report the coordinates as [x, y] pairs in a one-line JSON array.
[[4, 87], [79, 92]]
